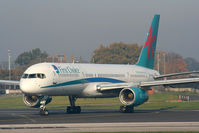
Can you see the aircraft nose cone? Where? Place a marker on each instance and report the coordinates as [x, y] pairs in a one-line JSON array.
[[27, 86], [23, 86]]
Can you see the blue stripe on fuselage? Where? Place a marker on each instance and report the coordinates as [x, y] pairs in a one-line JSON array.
[[87, 80]]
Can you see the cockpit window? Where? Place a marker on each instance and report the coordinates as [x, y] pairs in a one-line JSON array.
[[34, 75], [25, 76], [41, 75]]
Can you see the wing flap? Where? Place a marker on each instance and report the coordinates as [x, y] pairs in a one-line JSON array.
[[176, 74], [169, 82]]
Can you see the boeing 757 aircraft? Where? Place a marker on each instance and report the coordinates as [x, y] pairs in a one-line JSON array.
[[128, 82]]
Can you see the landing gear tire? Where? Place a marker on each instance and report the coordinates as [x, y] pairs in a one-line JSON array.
[[73, 109], [44, 112], [126, 109]]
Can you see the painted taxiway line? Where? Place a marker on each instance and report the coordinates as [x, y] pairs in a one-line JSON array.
[[102, 127]]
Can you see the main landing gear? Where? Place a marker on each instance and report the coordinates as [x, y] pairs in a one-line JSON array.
[[43, 110], [72, 109], [127, 109]]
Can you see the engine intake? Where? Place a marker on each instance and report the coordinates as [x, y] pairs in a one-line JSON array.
[[34, 101], [133, 96]]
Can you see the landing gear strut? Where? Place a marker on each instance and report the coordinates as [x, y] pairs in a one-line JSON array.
[[72, 109], [43, 110], [127, 109]]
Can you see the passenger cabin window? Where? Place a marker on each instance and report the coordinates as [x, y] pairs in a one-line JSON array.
[[35, 75]]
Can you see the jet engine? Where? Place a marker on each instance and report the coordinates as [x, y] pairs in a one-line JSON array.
[[34, 101], [133, 96]]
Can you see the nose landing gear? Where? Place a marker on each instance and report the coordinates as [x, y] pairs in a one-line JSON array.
[[73, 109], [43, 111]]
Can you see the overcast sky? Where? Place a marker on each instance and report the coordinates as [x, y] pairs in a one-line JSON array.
[[77, 27]]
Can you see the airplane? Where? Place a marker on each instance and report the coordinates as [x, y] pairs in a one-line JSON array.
[[128, 82]]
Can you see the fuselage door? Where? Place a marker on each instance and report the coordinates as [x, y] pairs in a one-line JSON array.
[[55, 77]]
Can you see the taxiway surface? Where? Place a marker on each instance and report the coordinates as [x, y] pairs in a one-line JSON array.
[[31, 116], [29, 119]]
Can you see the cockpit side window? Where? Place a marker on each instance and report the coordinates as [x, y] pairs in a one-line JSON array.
[[41, 75]]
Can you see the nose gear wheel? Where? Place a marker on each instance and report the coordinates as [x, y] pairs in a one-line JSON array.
[[43, 111]]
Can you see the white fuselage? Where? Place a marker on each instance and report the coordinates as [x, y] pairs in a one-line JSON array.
[[81, 80]]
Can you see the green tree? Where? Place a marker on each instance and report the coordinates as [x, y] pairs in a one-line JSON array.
[[117, 53], [27, 57]]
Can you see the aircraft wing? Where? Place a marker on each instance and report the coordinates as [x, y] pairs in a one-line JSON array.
[[175, 74], [146, 84], [9, 82], [169, 82]]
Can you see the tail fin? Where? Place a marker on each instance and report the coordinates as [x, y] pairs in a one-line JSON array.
[[147, 55]]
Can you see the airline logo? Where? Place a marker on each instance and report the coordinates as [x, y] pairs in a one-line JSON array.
[[149, 41], [65, 70], [56, 69]]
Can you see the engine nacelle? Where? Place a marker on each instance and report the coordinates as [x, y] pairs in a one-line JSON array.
[[34, 101], [133, 96]]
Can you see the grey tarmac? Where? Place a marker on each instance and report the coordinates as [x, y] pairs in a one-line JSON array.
[[98, 120]]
